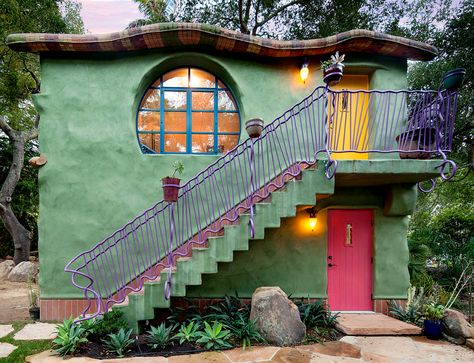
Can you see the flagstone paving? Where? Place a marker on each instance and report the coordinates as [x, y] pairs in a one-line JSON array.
[[350, 349], [6, 349], [36, 331], [5, 330], [374, 324]]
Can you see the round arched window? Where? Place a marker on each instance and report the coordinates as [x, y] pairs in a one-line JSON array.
[[188, 110]]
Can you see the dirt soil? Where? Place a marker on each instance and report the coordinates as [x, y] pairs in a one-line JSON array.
[[13, 301]]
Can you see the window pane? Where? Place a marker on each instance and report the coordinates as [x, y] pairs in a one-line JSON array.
[[203, 100], [175, 121], [203, 122], [148, 121], [203, 143], [176, 78], [220, 84], [227, 142], [228, 122], [201, 78], [175, 100], [175, 143], [150, 142], [151, 99], [225, 101]]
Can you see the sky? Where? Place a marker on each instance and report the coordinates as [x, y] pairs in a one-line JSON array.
[[104, 16]]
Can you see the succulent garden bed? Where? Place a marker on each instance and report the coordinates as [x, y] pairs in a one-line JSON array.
[[225, 325]]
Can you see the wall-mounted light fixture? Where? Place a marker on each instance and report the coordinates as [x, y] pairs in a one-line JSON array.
[[312, 217], [304, 70]]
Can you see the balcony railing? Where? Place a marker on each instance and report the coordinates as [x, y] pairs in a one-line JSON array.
[[407, 124]]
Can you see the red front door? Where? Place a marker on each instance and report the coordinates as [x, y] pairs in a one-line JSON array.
[[350, 259]]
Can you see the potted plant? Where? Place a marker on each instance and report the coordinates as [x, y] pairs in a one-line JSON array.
[[171, 183], [254, 127], [333, 69], [417, 143], [33, 295], [433, 313], [453, 79]]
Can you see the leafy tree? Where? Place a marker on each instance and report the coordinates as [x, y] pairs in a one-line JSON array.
[[19, 79]]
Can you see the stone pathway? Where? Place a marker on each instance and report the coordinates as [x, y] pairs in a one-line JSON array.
[[36, 331], [5, 330], [350, 349], [6, 349], [374, 324]]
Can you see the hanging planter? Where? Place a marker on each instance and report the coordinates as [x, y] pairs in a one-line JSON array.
[[170, 184], [333, 69], [254, 127], [453, 79]]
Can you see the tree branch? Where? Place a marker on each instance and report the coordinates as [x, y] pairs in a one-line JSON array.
[[243, 26], [6, 128], [274, 14], [33, 75], [257, 10]]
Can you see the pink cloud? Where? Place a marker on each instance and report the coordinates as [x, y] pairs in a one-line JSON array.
[[104, 16]]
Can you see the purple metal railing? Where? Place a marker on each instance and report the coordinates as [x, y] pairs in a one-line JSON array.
[[407, 123]]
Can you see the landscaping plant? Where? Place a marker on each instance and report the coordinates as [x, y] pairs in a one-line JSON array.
[[316, 314], [433, 311], [245, 332], [160, 337], [187, 333], [412, 311], [110, 323], [214, 337], [229, 312], [118, 343], [69, 338]]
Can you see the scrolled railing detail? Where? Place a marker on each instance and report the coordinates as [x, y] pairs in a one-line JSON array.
[[401, 123]]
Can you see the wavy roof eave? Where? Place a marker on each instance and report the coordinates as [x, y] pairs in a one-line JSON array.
[[186, 35]]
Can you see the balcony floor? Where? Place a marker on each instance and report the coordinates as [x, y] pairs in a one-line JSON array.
[[383, 172]]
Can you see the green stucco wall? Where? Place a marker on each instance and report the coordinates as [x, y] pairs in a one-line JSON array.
[[294, 257], [96, 178]]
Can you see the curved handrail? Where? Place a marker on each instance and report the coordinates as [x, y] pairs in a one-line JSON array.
[[327, 122]]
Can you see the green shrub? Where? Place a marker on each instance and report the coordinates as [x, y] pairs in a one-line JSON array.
[[118, 343], [69, 338], [433, 311], [187, 333], [214, 337], [316, 314], [229, 312], [412, 311], [245, 332], [160, 337], [110, 323]]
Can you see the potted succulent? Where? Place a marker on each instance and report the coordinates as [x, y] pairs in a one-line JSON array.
[[254, 127], [453, 79], [433, 313], [33, 295], [171, 183], [333, 69], [417, 143]]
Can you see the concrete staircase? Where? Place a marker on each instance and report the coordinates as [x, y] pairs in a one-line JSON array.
[[139, 306]]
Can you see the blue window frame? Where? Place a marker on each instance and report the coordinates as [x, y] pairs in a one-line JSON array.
[[188, 110]]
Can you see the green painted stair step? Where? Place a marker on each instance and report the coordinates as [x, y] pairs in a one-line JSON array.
[[220, 249]]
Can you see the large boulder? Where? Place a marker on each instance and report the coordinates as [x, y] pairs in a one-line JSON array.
[[456, 326], [5, 268], [278, 318], [23, 272]]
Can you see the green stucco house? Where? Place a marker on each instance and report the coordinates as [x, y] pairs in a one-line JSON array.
[[318, 204]]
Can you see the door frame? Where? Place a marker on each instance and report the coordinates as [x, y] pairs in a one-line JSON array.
[[372, 250]]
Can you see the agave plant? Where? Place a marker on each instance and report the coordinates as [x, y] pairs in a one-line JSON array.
[[214, 337], [119, 343], [69, 338]]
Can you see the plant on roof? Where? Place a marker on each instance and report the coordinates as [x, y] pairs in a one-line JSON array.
[[119, 343]]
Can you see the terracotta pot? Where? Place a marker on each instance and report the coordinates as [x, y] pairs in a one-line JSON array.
[[332, 75], [410, 141], [34, 313], [453, 79], [254, 127], [170, 189]]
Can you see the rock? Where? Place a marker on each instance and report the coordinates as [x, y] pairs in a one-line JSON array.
[[470, 343], [278, 318], [6, 349], [455, 325], [457, 341], [5, 268], [23, 271]]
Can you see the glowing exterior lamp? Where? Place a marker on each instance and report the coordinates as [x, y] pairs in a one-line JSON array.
[[312, 218], [304, 70]]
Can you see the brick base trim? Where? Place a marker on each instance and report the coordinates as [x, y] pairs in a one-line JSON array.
[[57, 310]]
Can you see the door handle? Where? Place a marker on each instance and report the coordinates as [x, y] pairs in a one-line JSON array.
[[331, 265]]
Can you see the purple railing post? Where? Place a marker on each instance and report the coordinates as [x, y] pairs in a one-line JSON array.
[[329, 122]]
